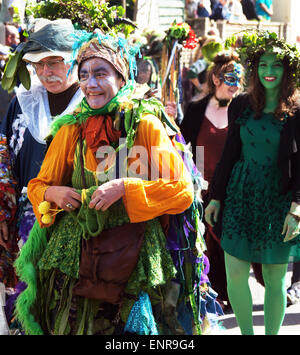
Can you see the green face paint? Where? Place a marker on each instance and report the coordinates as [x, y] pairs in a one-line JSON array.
[[270, 71]]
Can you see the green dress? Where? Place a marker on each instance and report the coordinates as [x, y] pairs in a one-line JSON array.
[[255, 208]]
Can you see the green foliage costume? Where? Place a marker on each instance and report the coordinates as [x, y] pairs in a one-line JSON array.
[[50, 262]]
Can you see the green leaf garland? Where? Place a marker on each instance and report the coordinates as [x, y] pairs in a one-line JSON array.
[[256, 43]]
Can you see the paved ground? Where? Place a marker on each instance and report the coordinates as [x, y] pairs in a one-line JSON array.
[[291, 324]]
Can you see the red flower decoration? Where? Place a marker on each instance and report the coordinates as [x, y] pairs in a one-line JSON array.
[[191, 42]]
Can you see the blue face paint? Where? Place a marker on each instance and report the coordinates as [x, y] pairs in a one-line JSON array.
[[233, 78]]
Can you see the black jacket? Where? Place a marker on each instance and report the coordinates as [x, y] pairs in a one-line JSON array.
[[191, 123], [288, 156]]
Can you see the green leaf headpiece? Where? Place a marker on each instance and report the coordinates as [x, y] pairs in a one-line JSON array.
[[51, 38], [255, 44]]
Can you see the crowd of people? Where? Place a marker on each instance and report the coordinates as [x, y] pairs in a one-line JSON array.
[[230, 10], [100, 233]]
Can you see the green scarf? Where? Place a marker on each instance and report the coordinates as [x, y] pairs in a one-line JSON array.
[[133, 107], [83, 110]]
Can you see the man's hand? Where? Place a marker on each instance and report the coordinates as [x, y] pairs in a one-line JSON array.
[[107, 194], [171, 109], [64, 197], [291, 228], [212, 212]]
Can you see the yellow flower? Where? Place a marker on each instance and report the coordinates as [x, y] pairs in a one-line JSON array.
[[44, 207], [47, 218], [127, 105]]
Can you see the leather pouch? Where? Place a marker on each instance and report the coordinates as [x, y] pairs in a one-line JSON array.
[[107, 262]]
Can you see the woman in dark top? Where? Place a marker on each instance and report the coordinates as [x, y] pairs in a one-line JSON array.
[[257, 181], [205, 126]]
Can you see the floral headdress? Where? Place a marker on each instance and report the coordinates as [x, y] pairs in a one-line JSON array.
[[255, 44], [183, 33]]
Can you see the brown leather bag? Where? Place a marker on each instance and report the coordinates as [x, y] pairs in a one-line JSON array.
[[107, 262]]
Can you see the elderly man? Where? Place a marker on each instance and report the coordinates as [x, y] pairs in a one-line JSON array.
[[25, 127]]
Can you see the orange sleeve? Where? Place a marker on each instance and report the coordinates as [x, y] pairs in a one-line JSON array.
[[57, 167], [168, 188]]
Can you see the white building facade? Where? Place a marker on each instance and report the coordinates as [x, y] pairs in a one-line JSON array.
[[288, 11]]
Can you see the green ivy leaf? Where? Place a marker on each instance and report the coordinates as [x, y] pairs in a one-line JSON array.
[[120, 11], [84, 14]]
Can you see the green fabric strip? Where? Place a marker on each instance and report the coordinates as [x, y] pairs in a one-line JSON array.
[[62, 306], [26, 265], [66, 311], [91, 221]]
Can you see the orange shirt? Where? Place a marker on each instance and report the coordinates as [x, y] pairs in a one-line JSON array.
[[143, 199]]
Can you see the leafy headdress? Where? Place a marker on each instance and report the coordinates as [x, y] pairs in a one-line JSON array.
[[254, 44], [54, 38], [211, 49], [85, 15]]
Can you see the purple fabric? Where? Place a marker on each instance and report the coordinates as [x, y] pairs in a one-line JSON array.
[[177, 242], [26, 219], [204, 278], [10, 302], [26, 224], [189, 163]]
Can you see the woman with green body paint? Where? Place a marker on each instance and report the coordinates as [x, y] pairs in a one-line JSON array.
[[256, 188]]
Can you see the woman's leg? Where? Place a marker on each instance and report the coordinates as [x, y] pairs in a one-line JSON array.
[[275, 296], [237, 273]]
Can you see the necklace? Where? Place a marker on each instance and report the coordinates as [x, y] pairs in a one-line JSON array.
[[222, 102]]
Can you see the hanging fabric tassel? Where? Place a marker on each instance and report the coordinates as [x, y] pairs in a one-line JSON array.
[[196, 314], [141, 320]]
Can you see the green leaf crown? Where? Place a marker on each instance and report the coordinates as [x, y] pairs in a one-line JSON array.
[[255, 43]]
